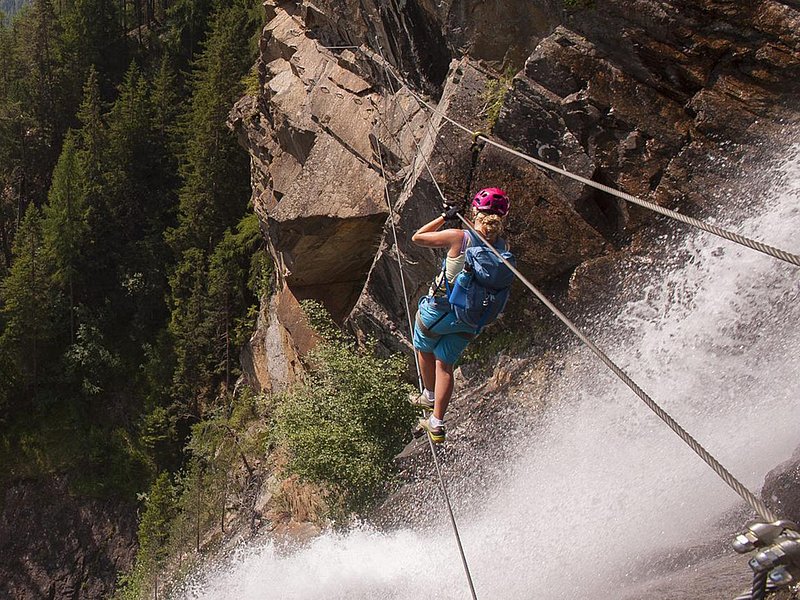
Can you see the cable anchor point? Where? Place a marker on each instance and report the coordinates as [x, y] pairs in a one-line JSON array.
[[776, 563]]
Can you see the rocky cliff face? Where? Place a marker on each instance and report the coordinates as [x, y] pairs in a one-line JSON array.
[[53, 545], [663, 99]]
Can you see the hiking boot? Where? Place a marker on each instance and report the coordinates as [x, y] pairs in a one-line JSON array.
[[436, 434], [421, 401]]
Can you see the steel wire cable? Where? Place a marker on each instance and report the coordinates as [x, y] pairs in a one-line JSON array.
[[419, 372], [759, 591], [713, 229], [756, 503], [400, 266]]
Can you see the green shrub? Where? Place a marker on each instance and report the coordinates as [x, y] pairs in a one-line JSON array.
[[495, 94], [345, 424], [252, 86]]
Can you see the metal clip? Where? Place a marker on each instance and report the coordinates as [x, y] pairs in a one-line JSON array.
[[760, 534]]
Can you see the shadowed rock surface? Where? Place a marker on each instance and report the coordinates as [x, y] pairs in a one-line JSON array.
[[56, 545]]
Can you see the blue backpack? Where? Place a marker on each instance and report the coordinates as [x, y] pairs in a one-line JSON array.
[[480, 292]]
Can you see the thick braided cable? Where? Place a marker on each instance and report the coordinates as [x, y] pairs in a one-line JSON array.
[[713, 229], [756, 503], [439, 474], [759, 591]]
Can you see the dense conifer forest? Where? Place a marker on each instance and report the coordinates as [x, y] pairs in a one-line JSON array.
[[131, 270], [130, 263]]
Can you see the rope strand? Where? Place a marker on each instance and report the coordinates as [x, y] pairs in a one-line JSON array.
[[400, 265], [416, 359]]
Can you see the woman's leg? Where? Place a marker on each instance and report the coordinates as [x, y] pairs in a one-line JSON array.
[[443, 389], [427, 367]]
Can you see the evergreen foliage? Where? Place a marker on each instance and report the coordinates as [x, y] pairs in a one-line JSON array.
[[209, 293], [349, 420], [160, 507], [29, 305], [215, 173], [66, 226], [91, 106], [181, 514]]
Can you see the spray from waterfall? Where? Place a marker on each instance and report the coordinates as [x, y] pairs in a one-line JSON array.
[[601, 485]]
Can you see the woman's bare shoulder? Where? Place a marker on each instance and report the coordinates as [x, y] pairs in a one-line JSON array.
[[443, 238]]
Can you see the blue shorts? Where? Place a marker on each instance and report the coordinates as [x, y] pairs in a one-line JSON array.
[[447, 338]]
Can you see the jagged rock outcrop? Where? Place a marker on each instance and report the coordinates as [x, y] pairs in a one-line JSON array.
[[661, 98]]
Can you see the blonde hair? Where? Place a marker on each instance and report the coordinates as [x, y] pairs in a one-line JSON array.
[[491, 225]]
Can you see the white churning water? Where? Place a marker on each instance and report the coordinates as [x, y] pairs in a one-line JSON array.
[[604, 484]]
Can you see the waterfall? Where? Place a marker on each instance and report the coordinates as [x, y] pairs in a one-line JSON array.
[[602, 489]]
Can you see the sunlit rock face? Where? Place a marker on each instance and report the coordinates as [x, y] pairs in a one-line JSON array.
[[663, 99]]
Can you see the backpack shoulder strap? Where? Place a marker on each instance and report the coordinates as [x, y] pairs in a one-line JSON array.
[[466, 241], [500, 244], [474, 240]]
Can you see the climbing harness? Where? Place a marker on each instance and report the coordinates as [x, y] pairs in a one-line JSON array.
[[428, 330], [777, 560], [416, 360], [713, 229]]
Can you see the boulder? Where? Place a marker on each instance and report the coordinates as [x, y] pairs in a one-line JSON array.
[[781, 489]]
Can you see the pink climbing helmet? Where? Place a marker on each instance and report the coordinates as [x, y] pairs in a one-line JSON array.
[[491, 200]]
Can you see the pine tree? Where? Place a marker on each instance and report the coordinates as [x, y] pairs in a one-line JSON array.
[[140, 180], [93, 37], [215, 171], [30, 304], [98, 270], [166, 108], [131, 147], [193, 333], [39, 91], [229, 294], [38, 41], [154, 528], [66, 226], [93, 131], [188, 21]]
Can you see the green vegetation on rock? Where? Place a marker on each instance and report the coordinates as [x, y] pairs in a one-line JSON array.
[[345, 424], [495, 95]]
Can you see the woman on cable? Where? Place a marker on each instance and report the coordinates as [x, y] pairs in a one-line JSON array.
[[439, 336]]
